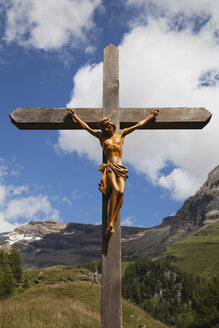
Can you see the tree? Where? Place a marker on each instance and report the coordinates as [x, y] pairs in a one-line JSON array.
[[15, 262], [162, 290], [6, 276], [206, 305]]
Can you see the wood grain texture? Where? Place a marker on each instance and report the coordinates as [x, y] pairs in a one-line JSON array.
[[53, 118], [57, 118], [111, 84], [168, 118], [111, 300]]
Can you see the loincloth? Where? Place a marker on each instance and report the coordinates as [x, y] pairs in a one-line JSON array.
[[119, 170]]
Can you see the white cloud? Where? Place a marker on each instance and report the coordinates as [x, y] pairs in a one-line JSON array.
[[3, 170], [6, 226], [171, 65], [128, 221], [19, 190], [88, 83], [87, 93], [49, 24], [181, 8], [3, 193], [76, 195], [15, 209], [66, 200], [29, 207], [81, 142], [7, 191], [179, 183], [90, 50], [160, 67]]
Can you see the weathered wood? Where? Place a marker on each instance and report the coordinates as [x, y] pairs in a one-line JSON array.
[[111, 302], [53, 118], [168, 118], [111, 84], [57, 118]]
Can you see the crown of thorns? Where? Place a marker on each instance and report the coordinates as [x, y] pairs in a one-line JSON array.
[[103, 121]]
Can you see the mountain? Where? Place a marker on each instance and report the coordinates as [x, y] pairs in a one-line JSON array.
[[33, 231], [200, 209], [48, 242]]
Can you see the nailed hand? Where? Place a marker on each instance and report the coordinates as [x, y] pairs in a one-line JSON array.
[[155, 112], [71, 111]]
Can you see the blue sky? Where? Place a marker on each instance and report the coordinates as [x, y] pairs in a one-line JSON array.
[[51, 56]]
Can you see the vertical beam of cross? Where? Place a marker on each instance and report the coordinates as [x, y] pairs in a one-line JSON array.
[[111, 311]]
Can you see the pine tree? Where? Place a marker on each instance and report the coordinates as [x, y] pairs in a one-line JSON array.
[[206, 305], [15, 263], [161, 290], [6, 276]]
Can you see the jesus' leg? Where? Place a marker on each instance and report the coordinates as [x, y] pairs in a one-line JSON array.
[[119, 200], [111, 178], [116, 200]]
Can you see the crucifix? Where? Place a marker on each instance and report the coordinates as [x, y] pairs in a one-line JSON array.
[[114, 123]]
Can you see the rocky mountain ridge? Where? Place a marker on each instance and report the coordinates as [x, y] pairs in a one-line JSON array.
[[33, 231], [198, 210], [49, 242]]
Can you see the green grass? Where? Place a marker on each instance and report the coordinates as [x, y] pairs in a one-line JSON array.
[[70, 304], [197, 253]]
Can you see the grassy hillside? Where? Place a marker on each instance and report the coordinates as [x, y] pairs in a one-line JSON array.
[[64, 298], [198, 252]]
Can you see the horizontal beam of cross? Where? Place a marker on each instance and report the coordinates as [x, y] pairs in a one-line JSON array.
[[58, 119]]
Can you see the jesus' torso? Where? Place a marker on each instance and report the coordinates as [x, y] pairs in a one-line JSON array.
[[112, 147]]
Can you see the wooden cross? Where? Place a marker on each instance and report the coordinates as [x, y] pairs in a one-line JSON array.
[[57, 118]]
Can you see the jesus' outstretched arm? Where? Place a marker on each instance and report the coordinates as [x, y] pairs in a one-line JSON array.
[[83, 124], [153, 114]]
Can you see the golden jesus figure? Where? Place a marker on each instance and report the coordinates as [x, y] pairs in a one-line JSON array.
[[114, 172]]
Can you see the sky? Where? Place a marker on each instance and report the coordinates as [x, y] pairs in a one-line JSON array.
[[51, 55]]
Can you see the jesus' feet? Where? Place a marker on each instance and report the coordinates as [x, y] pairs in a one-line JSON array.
[[110, 231]]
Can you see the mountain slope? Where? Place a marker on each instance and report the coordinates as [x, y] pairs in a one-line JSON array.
[[196, 253], [65, 298]]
